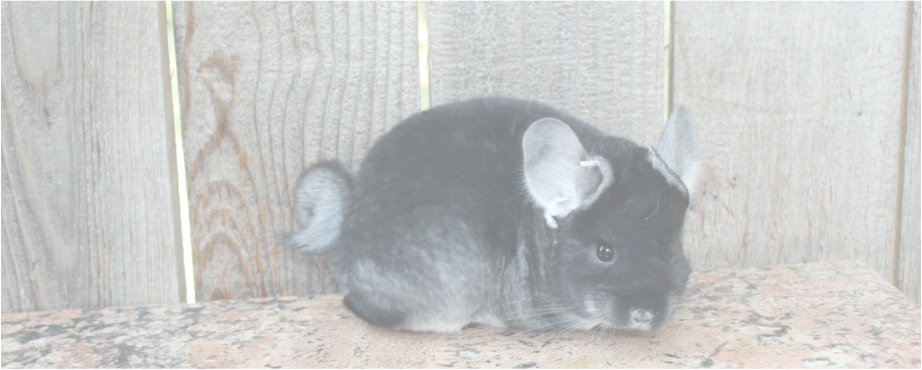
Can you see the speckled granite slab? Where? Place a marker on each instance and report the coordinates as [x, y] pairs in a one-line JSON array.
[[813, 315]]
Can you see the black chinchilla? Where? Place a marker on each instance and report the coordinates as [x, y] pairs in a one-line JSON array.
[[507, 213]]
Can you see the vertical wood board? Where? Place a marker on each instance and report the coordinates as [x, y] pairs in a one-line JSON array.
[[798, 112], [600, 61], [911, 220], [88, 210], [267, 89]]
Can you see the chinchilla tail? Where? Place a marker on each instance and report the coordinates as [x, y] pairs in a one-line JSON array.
[[321, 197]]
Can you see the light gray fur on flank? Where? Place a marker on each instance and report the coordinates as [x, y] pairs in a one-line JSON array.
[[417, 290], [320, 200]]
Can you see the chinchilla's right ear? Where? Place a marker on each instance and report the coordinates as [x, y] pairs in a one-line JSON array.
[[559, 176]]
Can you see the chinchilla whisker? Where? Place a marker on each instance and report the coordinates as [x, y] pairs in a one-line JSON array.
[[533, 302], [657, 206], [540, 307], [532, 315], [589, 323], [541, 327], [573, 326], [542, 312], [553, 308], [517, 301], [595, 324], [535, 315], [582, 321], [605, 328]]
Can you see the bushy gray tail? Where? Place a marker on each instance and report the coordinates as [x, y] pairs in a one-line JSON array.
[[321, 197]]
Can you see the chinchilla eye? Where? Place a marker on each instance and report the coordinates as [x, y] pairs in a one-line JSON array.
[[604, 252]]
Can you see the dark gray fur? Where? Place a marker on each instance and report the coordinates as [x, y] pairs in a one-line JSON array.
[[468, 213]]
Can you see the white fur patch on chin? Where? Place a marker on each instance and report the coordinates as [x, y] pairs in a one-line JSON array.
[[640, 319]]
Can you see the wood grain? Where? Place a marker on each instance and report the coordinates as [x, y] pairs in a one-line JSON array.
[[910, 233], [267, 89], [798, 114], [600, 61], [88, 209]]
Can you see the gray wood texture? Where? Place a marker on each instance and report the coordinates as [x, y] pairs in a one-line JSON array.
[[909, 253], [267, 89], [88, 195], [600, 61], [798, 114]]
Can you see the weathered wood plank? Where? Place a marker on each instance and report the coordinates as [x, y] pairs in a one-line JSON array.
[[910, 239], [602, 62], [798, 110], [88, 209], [268, 88]]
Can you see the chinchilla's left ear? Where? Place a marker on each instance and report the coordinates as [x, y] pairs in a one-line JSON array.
[[558, 175], [678, 148]]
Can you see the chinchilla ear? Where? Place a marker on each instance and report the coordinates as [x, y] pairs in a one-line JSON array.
[[678, 149], [559, 175]]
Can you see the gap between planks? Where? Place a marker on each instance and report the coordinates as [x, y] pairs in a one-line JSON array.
[[901, 153]]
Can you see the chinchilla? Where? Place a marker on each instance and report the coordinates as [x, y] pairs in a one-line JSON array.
[[507, 213]]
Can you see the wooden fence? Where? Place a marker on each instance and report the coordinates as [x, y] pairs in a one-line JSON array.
[[808, 121]]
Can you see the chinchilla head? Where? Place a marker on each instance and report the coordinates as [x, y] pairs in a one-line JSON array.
[[616, 211]]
